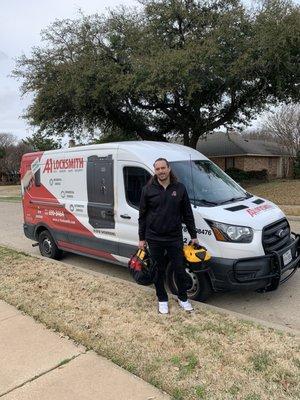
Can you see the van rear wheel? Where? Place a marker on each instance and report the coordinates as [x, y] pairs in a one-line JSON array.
[[48, 246], [198, 284]]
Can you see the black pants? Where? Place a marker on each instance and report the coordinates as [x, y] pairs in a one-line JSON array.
[[175, 254]]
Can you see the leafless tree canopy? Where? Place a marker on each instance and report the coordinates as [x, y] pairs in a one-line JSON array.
[[284, 126], [6, 140], [281, 126]]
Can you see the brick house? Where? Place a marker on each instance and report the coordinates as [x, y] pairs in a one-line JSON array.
[[232, 150]]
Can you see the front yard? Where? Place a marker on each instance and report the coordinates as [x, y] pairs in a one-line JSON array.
[[285, 193], [10, 193], [281, 192], [203, 355]]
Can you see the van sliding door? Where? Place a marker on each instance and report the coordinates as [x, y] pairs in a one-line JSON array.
[[100, 189]]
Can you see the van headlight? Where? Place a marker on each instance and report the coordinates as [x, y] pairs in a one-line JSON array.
[[231, 233]]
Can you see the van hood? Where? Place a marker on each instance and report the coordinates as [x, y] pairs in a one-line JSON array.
[[253, 212]]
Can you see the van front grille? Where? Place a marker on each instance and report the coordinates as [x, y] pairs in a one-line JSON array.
[[276, 235]]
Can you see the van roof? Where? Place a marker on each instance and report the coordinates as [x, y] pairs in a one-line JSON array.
[[144, 150]]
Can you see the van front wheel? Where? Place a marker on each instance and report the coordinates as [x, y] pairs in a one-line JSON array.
[[48, 246], [198, 284]]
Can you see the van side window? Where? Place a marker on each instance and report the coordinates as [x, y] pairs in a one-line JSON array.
[[134, 180]]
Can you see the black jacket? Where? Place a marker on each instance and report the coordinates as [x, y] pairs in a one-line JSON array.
[[162, 212]]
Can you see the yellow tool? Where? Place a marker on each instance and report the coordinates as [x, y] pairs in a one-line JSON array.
[[141, 254], [195, 253]]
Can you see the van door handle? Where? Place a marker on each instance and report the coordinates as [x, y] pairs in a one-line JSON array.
[[125, 216]]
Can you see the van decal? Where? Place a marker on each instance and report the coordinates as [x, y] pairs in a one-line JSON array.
[[104, 232], [199, 231], [62, 164], [256, 210], [55, 181], [203, 231], [77, 208], [35, 166]]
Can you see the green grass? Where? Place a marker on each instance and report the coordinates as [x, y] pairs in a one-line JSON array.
[[234, 390], [200, 392], [185, 364], [261, 361], [176, 360], [178, 394], [253, 396]]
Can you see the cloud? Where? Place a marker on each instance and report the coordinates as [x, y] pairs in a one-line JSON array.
[[12, 107], [3, 56]]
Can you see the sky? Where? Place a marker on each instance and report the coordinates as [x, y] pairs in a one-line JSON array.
[[20, 27]]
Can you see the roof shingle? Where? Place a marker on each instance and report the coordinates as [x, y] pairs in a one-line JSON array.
[[233, 144]]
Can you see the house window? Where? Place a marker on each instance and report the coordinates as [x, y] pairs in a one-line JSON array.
[[271, 162], [229, 162]]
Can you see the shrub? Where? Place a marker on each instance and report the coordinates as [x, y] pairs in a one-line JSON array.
[[240, 175]]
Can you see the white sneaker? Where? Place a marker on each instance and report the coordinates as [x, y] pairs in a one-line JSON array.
[[163, 307], [186, 305]]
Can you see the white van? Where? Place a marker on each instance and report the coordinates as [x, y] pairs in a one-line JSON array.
[[86, 200]]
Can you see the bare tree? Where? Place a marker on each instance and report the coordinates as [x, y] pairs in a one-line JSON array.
[[7, 139], [258, 133], [284, 126]]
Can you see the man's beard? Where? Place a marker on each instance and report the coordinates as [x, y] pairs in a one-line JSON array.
[[163, 178]]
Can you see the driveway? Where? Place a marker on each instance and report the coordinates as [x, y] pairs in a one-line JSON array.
[[281, 306]]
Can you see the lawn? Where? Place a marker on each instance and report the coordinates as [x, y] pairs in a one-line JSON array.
[[281, 191], [10, 193], [203, 355]]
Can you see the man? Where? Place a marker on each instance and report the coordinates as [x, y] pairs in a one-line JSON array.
[[164, 206]]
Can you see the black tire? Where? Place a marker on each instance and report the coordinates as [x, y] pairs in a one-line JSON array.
[[48, 246], [198, 284]]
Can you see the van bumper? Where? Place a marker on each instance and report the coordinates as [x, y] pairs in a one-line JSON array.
[[263, 273]]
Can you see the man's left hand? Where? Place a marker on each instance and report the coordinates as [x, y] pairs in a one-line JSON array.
[[195, 241]]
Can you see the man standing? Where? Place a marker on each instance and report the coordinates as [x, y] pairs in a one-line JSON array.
[[164, 206]]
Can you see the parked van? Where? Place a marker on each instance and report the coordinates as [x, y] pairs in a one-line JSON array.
[[85, 200]]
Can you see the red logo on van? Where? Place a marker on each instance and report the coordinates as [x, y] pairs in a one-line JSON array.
[[256, 210], [66, 163]]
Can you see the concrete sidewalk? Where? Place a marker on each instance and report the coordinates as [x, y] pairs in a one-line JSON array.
[[39, 364]]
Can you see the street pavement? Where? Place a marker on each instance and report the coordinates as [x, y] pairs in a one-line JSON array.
[[38, 364], [279, 307]]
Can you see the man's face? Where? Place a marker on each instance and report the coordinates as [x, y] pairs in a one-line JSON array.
[[162, 171]]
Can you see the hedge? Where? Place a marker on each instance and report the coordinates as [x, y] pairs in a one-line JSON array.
[[240, 175]]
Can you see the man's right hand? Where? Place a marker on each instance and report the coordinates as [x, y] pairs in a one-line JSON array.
[[142, 244]]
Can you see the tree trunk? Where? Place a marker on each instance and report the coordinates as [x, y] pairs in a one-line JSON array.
[[186, 139], [194, 140]]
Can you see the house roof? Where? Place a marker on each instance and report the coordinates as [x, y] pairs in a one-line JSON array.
[[234, 144]]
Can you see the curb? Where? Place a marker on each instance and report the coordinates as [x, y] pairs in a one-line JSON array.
[[243, 317]]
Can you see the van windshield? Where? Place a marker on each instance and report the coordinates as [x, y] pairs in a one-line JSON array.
[[206, 183]]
